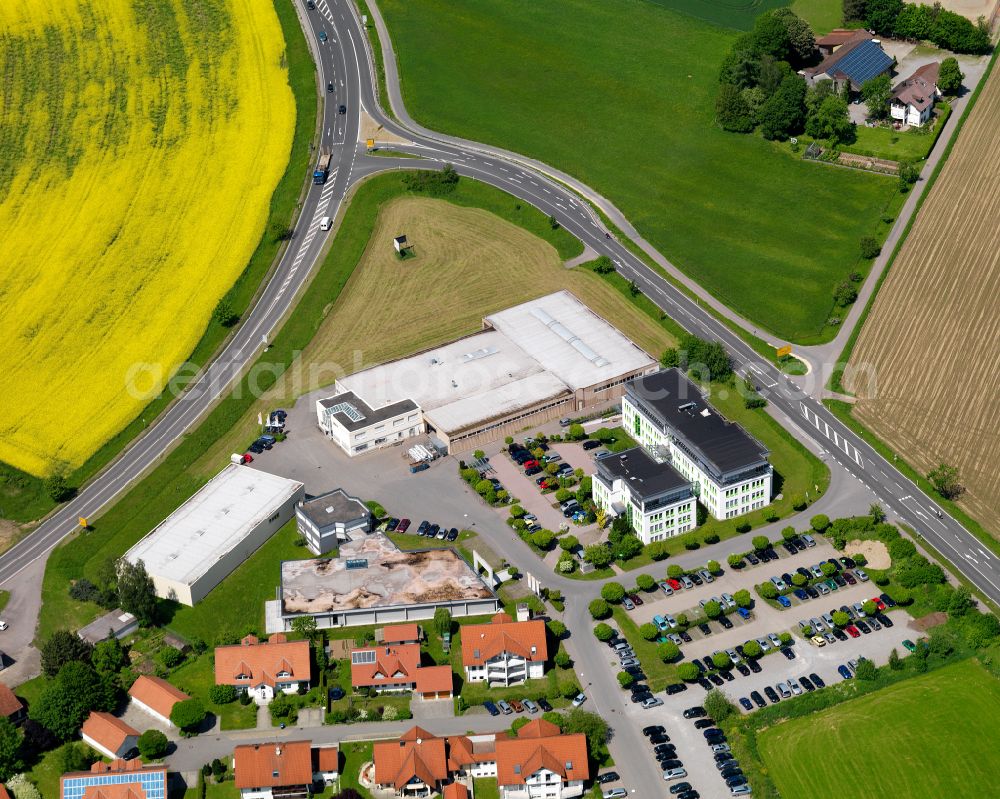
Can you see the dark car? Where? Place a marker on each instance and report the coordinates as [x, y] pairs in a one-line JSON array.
[[659, 738], [544, 705], [788, 547], [848, 562], [742, 669], [812, 592], [754, 560], [692, 794], [532, 471], [806, 683], [862, 626], [704, 724], [732, 771], [844, 672], [635, 671], [680, 787], [788, 653], [754, 666], [666, 765], [714, 732], [342, 109], [255, 448], [423, 526], [676, 688], [725, 622], [884, 620], [889, 601], [839, 580], [392, 525], [337, 692], [433, 530], [695, 712], [684, 636], [800, 594], [817, 680], [851, 580], [329, 86], [705, 629], [716, 679], [745, 703], [771, 694], [804, 573], [591, 444], [403, 526], [310, 5], [839, 634], [695, 578], [664, 748], [698, 665], [635, 598], [735, 780], [727, 675], [758, 699], [492, 709], [608, 776], [653, 729]]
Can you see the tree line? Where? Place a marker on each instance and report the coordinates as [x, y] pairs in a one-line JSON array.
[[921, 22]]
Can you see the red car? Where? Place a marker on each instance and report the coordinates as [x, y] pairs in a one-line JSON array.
[[635, 599], [403, 526], [674, 584], [878, 603], [248, 458], [853, 631], [529, 464]]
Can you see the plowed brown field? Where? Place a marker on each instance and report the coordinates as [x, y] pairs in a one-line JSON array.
[[931, 345]]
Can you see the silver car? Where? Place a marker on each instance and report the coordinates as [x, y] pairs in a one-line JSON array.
[[628, 604], [734, 656], [674, 774], [675, 638], [822, 588], [816, 570], [764, 644], [686, 582], [775, 641], [817, 625], [859, 610], [784, 690], [794, 685], [728, 601], [706, 575]]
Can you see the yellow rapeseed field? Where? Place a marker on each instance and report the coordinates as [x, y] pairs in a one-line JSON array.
[[140, 142]]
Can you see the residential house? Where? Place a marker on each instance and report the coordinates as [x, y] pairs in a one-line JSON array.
[[454, 790], [654, 497], [399, 634], [668, 416], [396, 669], [473, 755], [268, 771], [261, 668], [838, 36], [857, 59], [504, 652], [414, 766], [119, 779], [330, 519], [542, 763], [157, 697], [11, 707], [912, 101], [109, 735], [326, 764]]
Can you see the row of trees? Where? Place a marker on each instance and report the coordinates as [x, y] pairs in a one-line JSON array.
[[758, 84], [120, 584], [702, 359], [920, 22]]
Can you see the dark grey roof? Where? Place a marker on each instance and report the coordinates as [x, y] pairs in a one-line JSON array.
[[680, 405], [370, 415], [332, 507], [645, 477]]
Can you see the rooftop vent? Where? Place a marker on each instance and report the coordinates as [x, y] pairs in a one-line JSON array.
[[329, 508], [687, 406], [517, 769]]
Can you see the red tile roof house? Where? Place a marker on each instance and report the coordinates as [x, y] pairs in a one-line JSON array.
[[108, 735], [262, 667], [913, 99], [416, 765], [157, 697], [119, 779], [541, 761], [395, 669], [326, 763], [504, 652], [399, 634], [280, 769], [10, 706]]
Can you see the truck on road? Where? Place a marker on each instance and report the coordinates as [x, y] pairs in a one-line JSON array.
[[322, 168]]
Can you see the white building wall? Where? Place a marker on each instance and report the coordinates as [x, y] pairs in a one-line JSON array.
[[382, 434], [722, 502], [506, 670], [656, 525], [543, 784], [131, 742], [149, 711]]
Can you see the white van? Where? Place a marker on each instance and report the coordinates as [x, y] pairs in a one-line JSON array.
[[325, 223]]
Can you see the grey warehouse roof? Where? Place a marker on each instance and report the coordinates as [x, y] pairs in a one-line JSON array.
[[332, 507], [680, 405], [645, 477]]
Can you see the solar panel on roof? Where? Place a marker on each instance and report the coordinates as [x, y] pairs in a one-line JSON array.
[[864, 62]]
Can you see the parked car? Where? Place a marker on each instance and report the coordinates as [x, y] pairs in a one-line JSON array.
[[516, 704], [758, 699], [628, 604], [579, 699], [615, 793], [745, 703], [817, 680], [491, 708], [784, 601], [505, 708], [665, 588], [608, 776], [844, 672], [530, 706], [771, 694]]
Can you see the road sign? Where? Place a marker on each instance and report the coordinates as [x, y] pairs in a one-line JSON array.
[[83, 522], [783, 351], [370, 144]]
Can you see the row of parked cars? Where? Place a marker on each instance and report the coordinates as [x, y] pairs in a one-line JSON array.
[[826, 632], [783, 690], [516, 706], [642, 694], [666, 757], [725, 760], [429, 530], [275, 425]]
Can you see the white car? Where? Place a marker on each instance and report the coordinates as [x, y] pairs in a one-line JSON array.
[[579, 699], [765, 645], [3, 624], [614, 793], [794, 685], [720, 747], [674, 774], [775, 641], [651, 702]]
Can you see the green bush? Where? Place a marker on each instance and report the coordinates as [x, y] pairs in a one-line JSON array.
[[599, 609], [222, 694], [613, 592], [604, 632]]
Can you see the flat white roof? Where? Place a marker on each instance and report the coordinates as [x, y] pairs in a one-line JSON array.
[[537, 351], [201, 531], [570, 340]]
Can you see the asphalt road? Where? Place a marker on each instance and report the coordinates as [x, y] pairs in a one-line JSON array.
[[344, 60]]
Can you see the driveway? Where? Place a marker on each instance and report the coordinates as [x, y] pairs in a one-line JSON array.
[[526, 492]]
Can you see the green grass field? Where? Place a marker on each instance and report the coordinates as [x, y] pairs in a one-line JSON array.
[[934, 736], [570, 82]]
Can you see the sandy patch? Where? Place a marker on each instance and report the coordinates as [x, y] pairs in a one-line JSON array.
[[874, 551], [370, 129], [924, 623]]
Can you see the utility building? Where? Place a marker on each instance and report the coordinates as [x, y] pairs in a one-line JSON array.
[[225, 522]]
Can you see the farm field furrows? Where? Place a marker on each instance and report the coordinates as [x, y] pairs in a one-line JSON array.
[[925, 364], [140, 142]]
